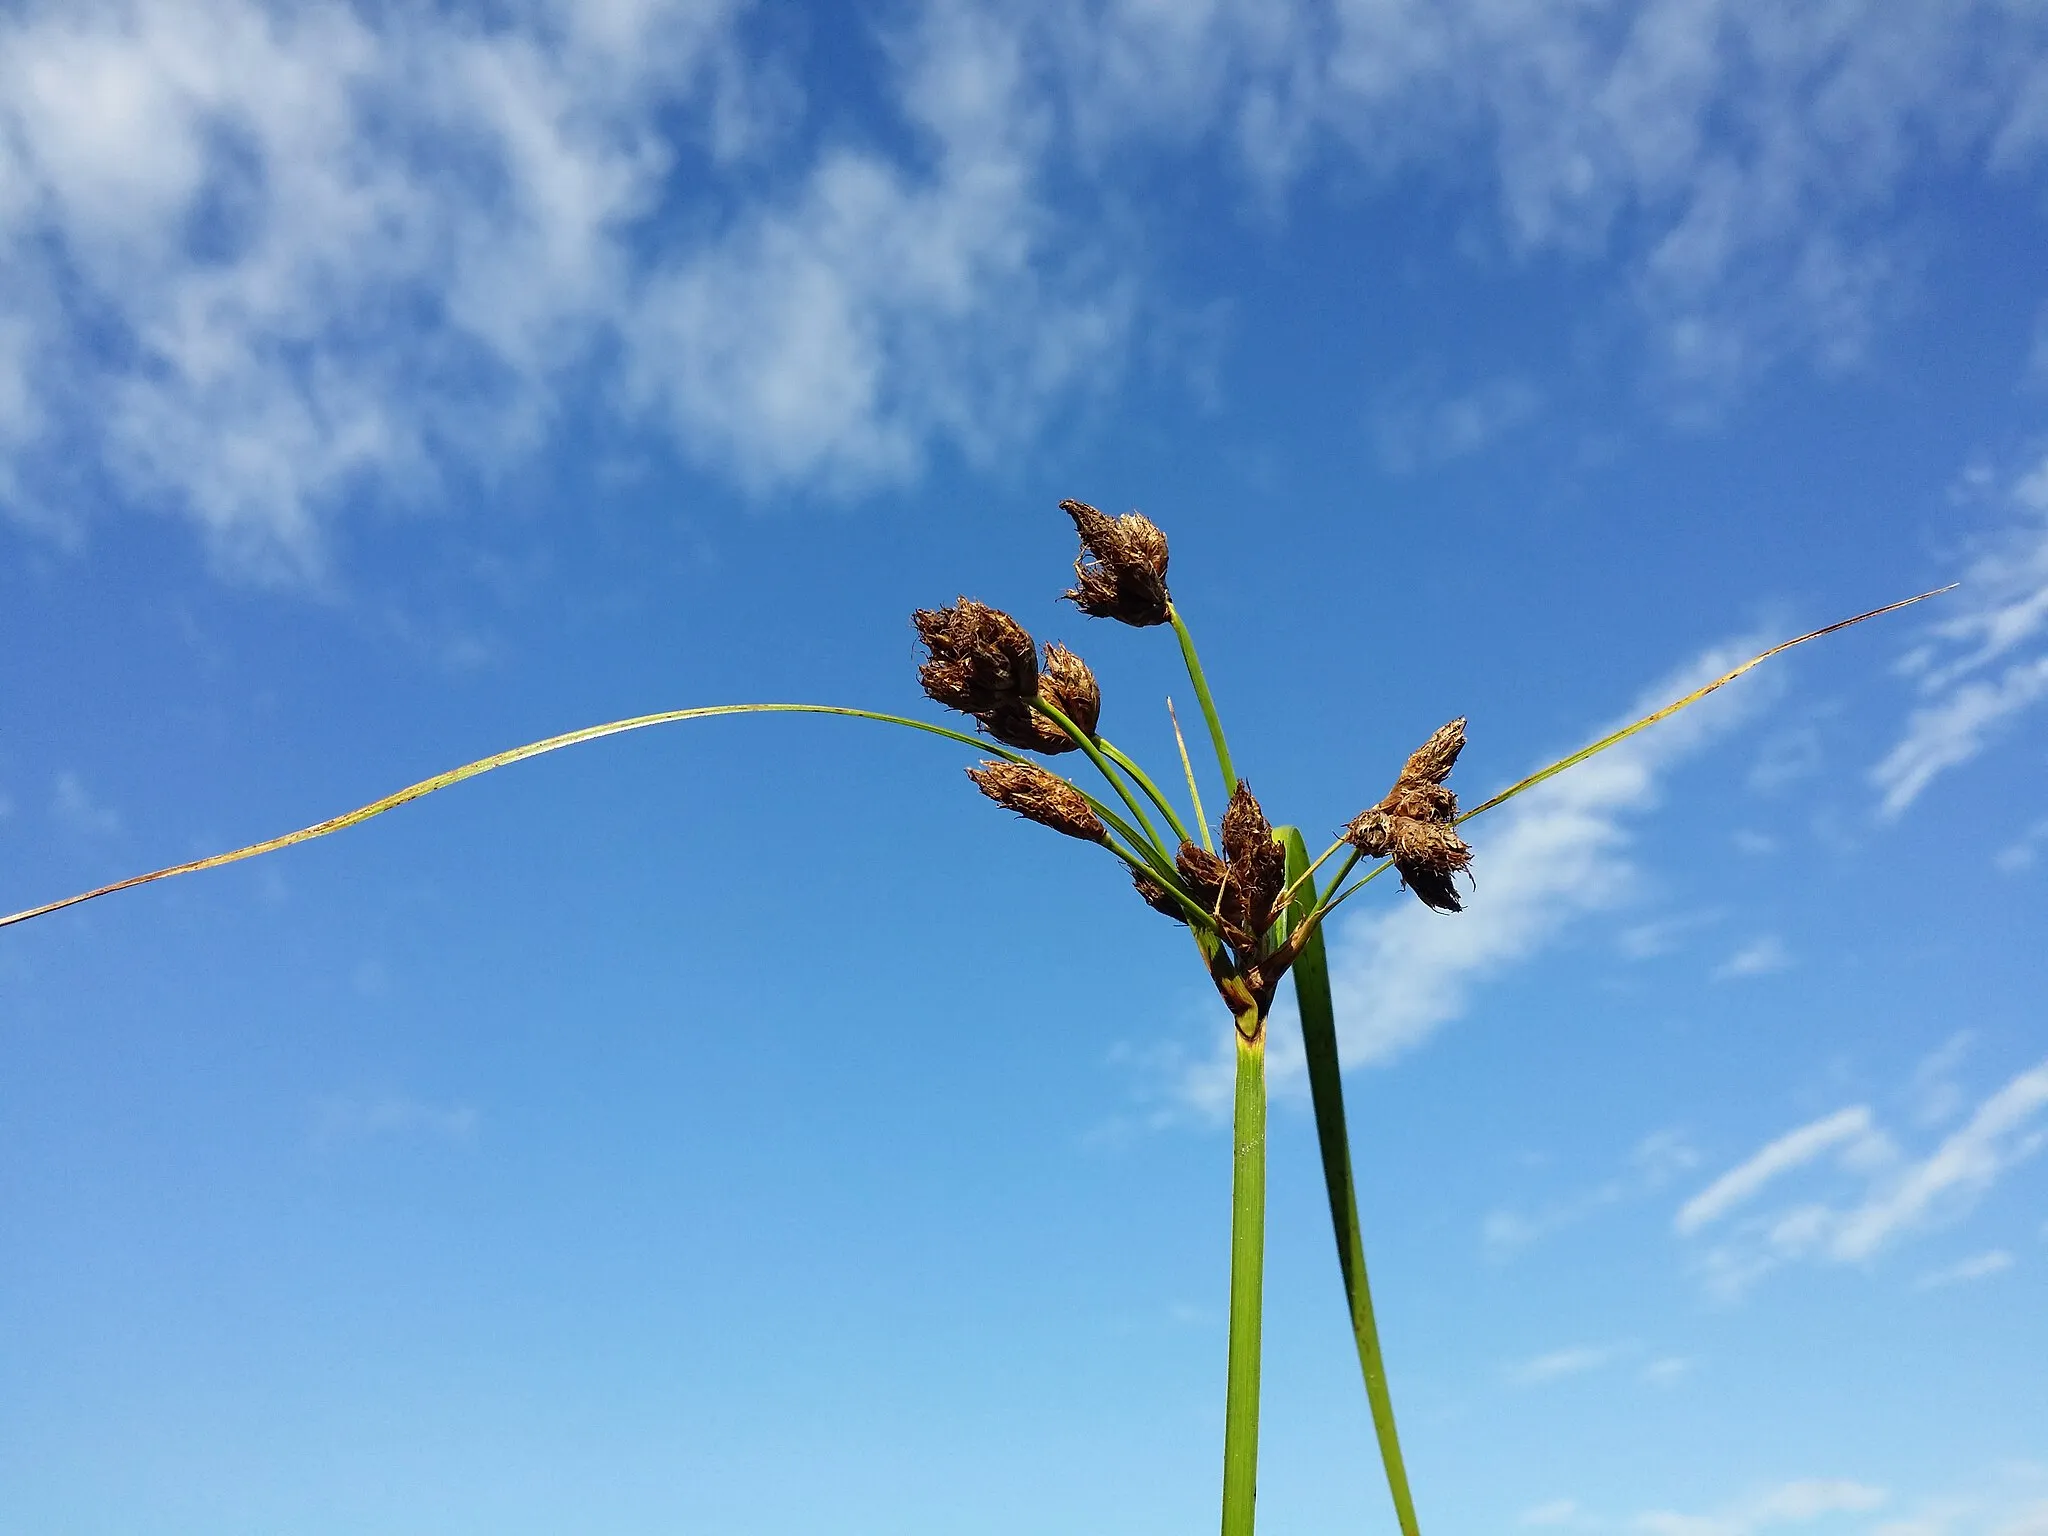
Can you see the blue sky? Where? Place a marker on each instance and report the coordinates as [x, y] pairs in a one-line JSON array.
[[743, 1127]]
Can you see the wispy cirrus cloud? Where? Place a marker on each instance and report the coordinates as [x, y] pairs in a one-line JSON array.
[[266, 261], [1794, 1503], [1979, 671], [1890, 1193], [263, 260], [1546, 860]]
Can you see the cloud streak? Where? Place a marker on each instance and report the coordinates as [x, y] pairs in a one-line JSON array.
[[1546, 860], [1979, 671], [1897, 1196], [266, 262]]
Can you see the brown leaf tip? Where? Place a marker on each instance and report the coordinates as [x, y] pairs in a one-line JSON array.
[[981, 659], [1121, 573], [1039, 796], [1415, 825]]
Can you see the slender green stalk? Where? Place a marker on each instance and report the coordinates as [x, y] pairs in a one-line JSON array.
[[1103, 766], [1161, 868], [1201, 681], [1139, 778], [1188, 768], [1326, 1089], [1296, 883], [1247, 1279]]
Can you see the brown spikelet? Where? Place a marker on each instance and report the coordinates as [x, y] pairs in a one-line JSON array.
[[1065, 682], [1206, 876], [981, 659], [1157, 897], [1416, 825], [1258, 865], [1122, 570], [1039, 796]]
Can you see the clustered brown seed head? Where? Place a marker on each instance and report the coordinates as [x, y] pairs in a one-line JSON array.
[[1243, 887], [1039, 796], [1416, 825], [1064, 682], [981, 658], [1122, 570], [1157, 897]]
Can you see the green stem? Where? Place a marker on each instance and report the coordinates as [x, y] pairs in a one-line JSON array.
[[1247, 1279], [1102, 764], [1326, 1089], [1201, 682], [1151, 790]]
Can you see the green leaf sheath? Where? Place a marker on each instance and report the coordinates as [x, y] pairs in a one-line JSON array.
[[1201, 681], [1247, 1282], [1326, 1090]]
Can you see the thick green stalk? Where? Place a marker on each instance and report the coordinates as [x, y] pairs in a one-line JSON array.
[[1247, 1279], [1326, 1089], [1201, 681]]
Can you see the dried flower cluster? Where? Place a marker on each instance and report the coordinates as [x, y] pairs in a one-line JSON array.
[[1122, 570], [1241, 890], [984, 663], [1038, 796], [1416, 825]]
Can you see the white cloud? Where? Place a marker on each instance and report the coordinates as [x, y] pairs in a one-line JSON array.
[[1555, 1512], [1794, 1503], [1560, 1363], [263, 259], [73, 805], [1893, 1195], [1667, 1371], [2023, 850], [341, 1118], [2032, 1521], [1852, 1128], [1985, 666], [832, 334], [1761, 957], [1543, 861], [1978, 1267], [1729, 158], [1654, 1162], [1424, 429]]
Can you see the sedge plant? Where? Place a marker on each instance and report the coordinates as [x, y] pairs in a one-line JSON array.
[[1251, 899]]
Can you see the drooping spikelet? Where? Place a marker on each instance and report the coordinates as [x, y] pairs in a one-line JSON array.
[[1065, 682], [1416, 824], [981, 659], [1122, 570], [1039, 796]]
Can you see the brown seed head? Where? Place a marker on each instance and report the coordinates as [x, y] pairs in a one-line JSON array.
[[1206, 876], [981, 658], [1156, 896], [1416, 825], [1039, 796], [1065, 682], [1258, 865], [1122, 570]]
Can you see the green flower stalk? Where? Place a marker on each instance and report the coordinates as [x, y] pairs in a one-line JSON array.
[[1248, 895]]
